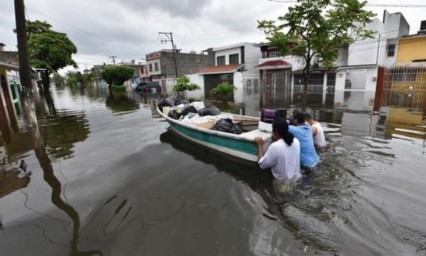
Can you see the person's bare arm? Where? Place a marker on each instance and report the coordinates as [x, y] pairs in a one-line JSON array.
[[314, 130], [259, 142]]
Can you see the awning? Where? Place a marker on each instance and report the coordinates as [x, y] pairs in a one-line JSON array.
[[224, 69], [9, 66], [274, 64]]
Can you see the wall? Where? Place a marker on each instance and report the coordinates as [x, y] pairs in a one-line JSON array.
[[411, 48], [374, 50], [238, 83], [198, 94]]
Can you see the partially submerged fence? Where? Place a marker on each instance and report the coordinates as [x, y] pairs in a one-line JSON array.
[[402, 86]]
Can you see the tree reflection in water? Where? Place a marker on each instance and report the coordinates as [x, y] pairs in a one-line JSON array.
[[40, 147], [120, 103]]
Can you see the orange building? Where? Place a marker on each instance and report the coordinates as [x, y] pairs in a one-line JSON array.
[[412, 49]]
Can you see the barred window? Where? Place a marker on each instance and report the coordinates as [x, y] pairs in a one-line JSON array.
[[391, 50]]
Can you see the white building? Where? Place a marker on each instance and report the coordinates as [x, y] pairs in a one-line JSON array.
[[356, 82], [234, 64]]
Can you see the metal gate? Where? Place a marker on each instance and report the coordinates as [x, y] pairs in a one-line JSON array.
[[276, 89], [402, 86]]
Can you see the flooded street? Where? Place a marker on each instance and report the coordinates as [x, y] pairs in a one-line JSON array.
[[108, 178]]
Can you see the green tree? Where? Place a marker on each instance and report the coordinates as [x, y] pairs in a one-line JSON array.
[[88, 78], [49, 49], [58, 79], [317, 29], [184, 84], [73, 77], [117, 75]]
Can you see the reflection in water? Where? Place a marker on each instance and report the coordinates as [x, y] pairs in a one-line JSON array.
[[335, 216], [62, 131], [368, 198], [121, 104], [39, 145], [389, 122], [13, 180]]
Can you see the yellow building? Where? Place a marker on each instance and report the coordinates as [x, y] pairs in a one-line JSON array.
[[407, 79], [412, 49]]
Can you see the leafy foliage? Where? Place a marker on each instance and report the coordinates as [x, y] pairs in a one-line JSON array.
[[223, 89], [184, 84], [58, 79], [317, 29], [49, 49], [117, 75]]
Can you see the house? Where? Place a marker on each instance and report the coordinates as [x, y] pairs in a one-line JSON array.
[[282, 79], [166, 65], [236, 65], [8, 98], [401, 88], [140, 74], [356, 82]]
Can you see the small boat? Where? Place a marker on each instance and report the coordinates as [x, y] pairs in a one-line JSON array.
[[241, 145]]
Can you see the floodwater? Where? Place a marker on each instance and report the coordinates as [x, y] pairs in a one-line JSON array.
[[103, 176]]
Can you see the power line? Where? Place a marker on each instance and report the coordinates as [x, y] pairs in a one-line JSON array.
[[113, 58], [168, 36], [372, 5]]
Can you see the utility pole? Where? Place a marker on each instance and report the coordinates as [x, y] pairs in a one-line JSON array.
[[169, 37], [113, 58], [21, 32]]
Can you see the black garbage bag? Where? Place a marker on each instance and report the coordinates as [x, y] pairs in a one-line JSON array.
[[167, 102], [179, 101], [174, 114], [210, 111], [226, 125], [162, 104], [188, 109]]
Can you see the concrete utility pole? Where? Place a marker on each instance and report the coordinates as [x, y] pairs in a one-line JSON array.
[[169, 37], [113, 58], [21, 32]]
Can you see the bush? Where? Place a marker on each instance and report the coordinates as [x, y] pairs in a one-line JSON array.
[[184, 84], [223, 90]]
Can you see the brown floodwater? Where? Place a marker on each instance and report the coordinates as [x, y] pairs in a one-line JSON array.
[[102, 175]]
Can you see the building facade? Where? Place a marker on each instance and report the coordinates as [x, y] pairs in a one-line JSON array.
[[356, 82], [166, 65]]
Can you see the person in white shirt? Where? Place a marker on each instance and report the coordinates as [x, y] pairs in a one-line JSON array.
[[282, 156], [317, 132]]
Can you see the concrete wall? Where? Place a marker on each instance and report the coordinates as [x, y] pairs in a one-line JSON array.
[[238, 83], [198, 94], [411, 48], [374, 50]]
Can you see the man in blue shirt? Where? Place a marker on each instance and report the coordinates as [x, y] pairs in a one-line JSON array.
[[309, 158]]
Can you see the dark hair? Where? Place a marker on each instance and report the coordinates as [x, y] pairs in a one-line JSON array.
[[280, 126], [308, 116], [300, 117]]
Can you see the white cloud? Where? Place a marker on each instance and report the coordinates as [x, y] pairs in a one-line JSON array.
[[129, 29]]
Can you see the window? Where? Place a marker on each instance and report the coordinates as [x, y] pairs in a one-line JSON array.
[[233, 59], [220, 60], [150, 67], [272, 54], [156, 66], [391, 50]]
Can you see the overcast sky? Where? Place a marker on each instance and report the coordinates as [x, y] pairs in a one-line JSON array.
[[129, 29]]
